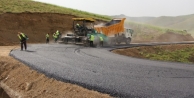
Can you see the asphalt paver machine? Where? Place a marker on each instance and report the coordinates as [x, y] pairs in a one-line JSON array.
[[81, 28]]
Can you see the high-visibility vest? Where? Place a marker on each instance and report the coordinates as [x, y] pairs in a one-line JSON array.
[[54, 35], [92, 38], [77, 24], [21, 36], [101, 39], [57, 33], [47, 35]]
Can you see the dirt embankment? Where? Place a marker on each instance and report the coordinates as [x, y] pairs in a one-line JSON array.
[[172, 37], [166, 37], [137, 52], [35, 25]]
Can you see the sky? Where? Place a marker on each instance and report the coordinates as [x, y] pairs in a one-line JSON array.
[[132, 8]]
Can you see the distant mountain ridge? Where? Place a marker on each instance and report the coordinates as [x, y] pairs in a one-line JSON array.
[[184, 22], [135, 19]]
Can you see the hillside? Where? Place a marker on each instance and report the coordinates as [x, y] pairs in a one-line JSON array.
[[150, 33], [19, 6], [135, 19], [36, 19], [184, 22]]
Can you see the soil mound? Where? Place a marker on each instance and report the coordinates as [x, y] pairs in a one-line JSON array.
[[173, 37]]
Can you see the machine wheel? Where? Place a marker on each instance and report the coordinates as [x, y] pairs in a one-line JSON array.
[[113, 42], [65, 40], [128, 41], [85, 41], [118, 41]]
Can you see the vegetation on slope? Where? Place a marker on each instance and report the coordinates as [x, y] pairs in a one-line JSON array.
[[175, 53], [18, 6], [182, 55], [169, 21], [184, 22], [149, 32]]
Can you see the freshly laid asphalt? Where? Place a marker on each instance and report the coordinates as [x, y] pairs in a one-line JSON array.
[[120, 76]]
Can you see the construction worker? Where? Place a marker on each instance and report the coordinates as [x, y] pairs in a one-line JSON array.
[[57, 34], [23, 39], [55, 37], [47, 38], [101, 41], [77, 26], [91, 40]]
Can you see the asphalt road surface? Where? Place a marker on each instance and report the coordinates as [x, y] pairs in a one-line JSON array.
[[117, 75]]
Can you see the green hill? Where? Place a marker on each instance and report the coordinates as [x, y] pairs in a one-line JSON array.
[[146, 32], [135, 19], [185, 22], [18, 6]]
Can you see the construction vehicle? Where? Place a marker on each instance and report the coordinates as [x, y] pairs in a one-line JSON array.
[[115, 31], [86, 26], [112, 32]]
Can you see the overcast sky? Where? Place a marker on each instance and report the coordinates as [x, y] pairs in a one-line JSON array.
[[135, 8]]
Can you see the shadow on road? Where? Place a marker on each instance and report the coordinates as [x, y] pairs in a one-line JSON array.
[[30, 51]]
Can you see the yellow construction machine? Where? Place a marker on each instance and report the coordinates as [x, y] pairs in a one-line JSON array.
[[81, 27]]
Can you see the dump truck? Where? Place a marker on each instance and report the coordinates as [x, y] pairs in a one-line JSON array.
[[115, 31], [112, 32]]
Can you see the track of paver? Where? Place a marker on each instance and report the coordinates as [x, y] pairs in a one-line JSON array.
[[101, 70]]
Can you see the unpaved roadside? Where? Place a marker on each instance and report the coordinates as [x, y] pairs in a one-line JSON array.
[[19, 81]]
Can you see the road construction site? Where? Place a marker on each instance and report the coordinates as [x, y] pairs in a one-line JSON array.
[[94, 68], [106, 72]]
